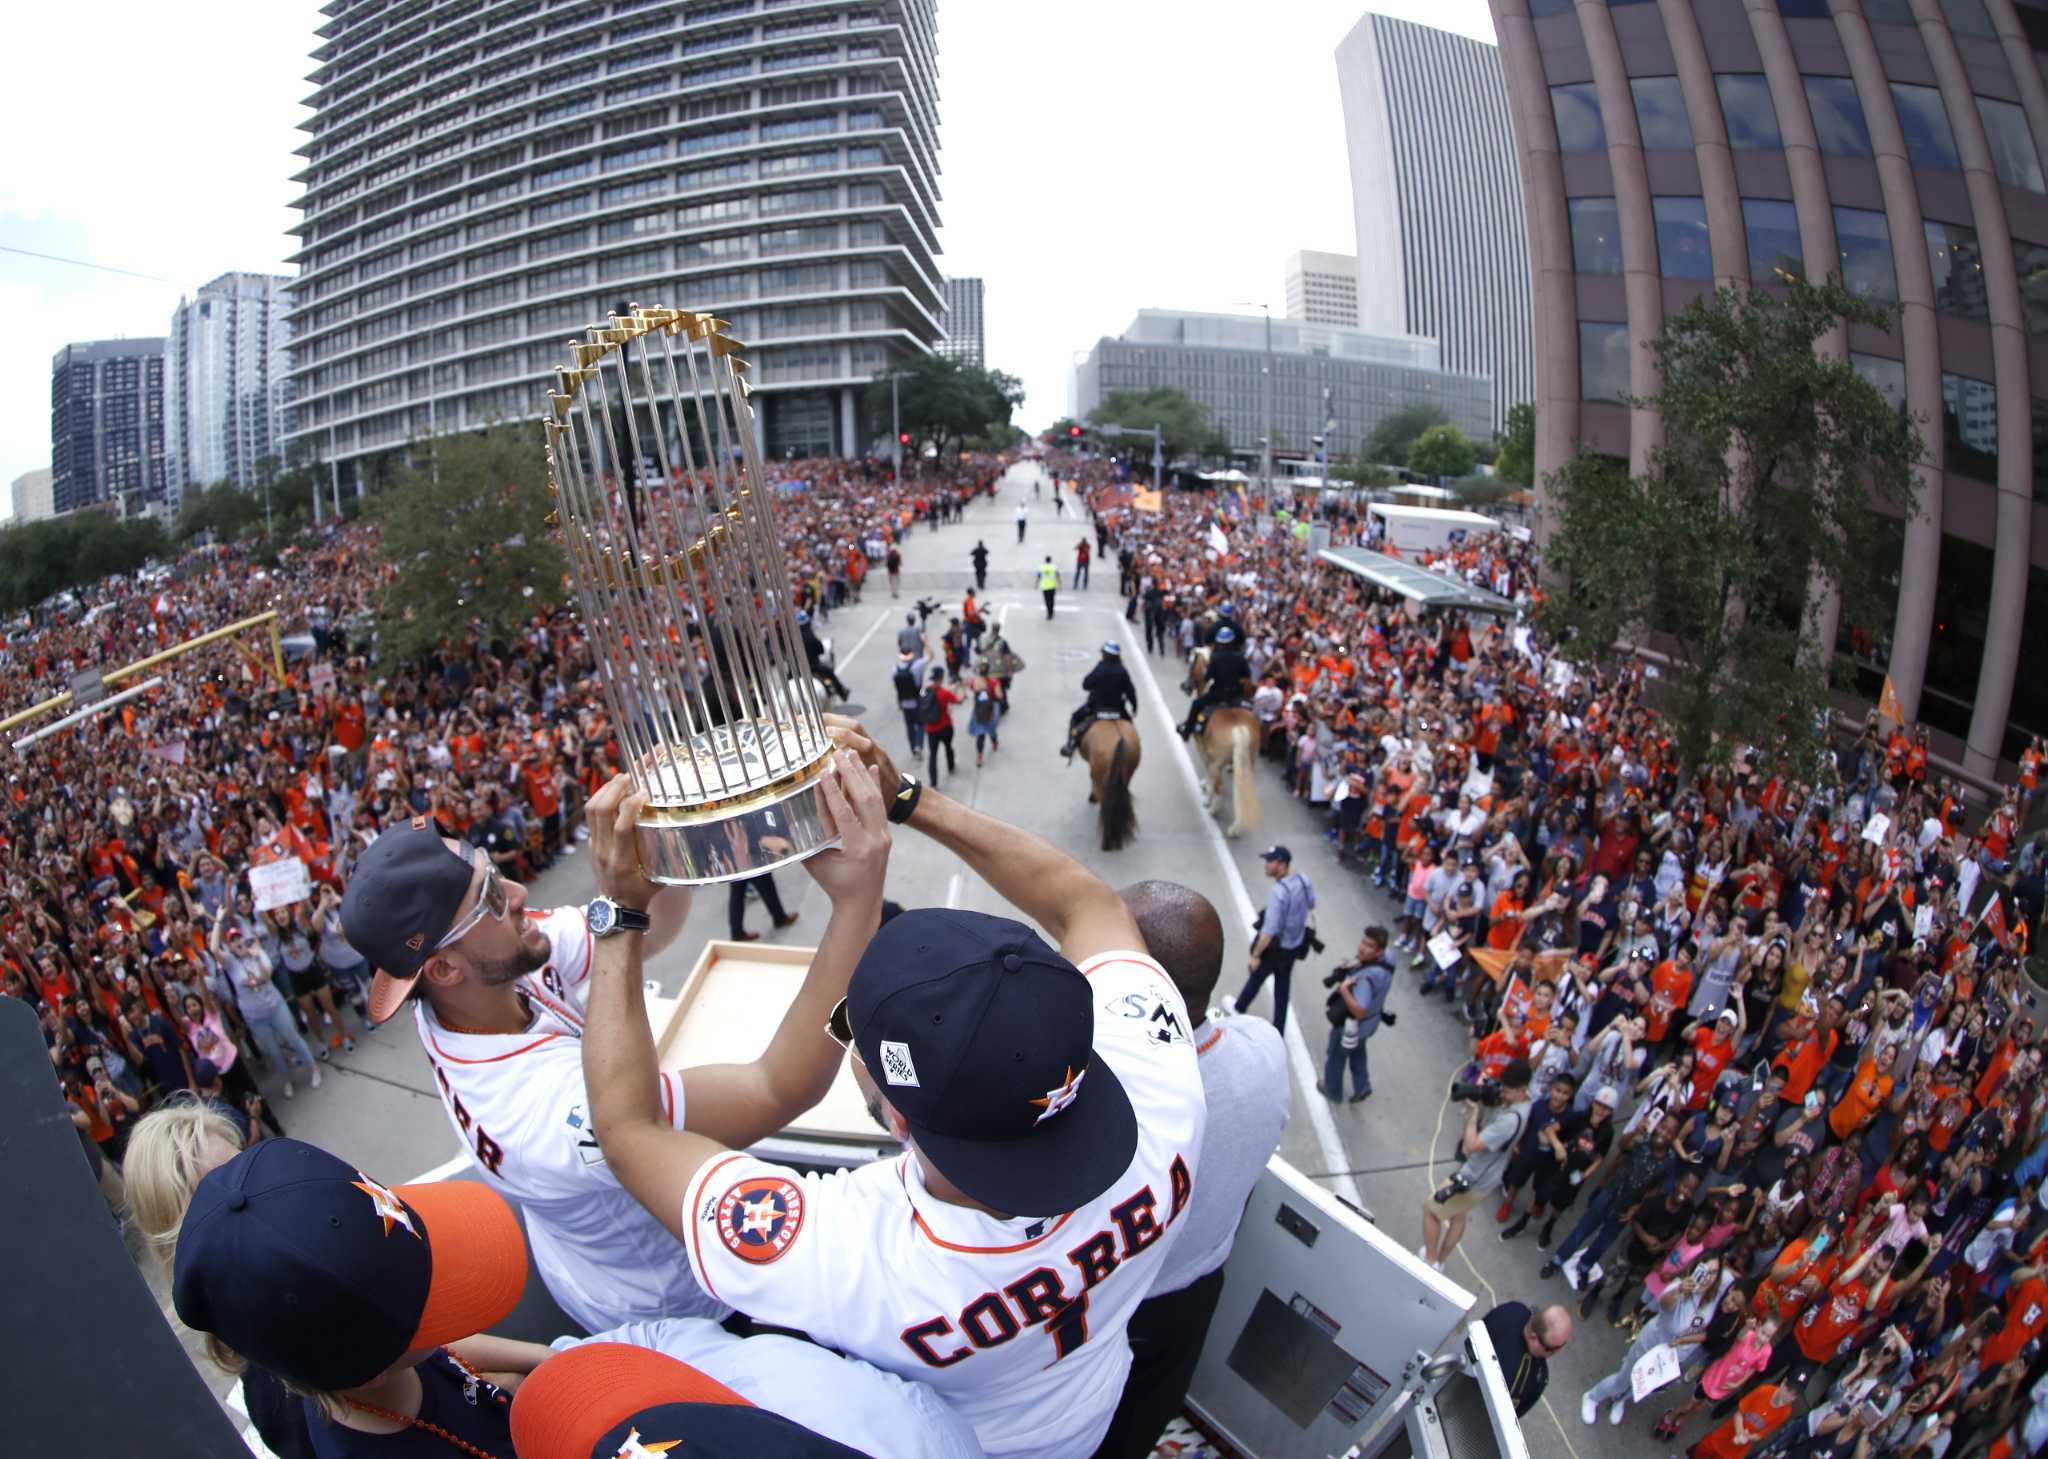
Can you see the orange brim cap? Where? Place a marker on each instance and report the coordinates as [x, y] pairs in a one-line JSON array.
[[577, 1397], [388, 994], [479, 1258]]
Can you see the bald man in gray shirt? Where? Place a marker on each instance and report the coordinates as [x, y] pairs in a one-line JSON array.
[[1244, 1080]]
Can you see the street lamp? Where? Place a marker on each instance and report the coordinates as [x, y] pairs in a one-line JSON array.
[[1265, 402]]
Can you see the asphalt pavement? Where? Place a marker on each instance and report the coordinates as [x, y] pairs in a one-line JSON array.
[[377, 1107]]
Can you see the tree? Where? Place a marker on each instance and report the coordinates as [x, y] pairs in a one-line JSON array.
[[1390, 439], [38, 559], [465, 527], [1360, 471], [1482, 491], [944, 401], [1184, 424], [1442, 450], [223, 509], [1516, 459], [1774, 469]]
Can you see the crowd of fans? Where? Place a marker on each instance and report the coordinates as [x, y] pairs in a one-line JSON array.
[[128, 917], [1787, 1104]]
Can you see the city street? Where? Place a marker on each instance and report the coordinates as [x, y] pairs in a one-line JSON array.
[[377, 1106]]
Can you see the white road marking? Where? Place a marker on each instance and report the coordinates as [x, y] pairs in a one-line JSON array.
[[1298, 1057], [862, 641]]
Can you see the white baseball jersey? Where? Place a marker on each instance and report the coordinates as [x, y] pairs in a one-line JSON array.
[[1018, 1323], [1244, 1078], [518, 1106]]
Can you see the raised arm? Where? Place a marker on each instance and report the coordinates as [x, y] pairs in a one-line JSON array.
[[1078, 909], [649, 1157]]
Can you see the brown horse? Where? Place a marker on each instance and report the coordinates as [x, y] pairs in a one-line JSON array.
[[1231, 740], [1110, 746]]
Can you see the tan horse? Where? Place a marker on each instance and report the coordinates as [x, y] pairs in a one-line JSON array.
[[1110, 746], [1198, 670], [1231, 741]]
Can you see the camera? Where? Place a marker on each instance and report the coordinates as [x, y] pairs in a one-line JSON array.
[[1477, 1091], [925, 608]]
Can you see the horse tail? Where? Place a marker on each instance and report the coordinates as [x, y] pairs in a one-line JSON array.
[[1119, 816], [1244, 794]]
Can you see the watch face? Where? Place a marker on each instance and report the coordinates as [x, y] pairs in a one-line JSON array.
[[601, 915]]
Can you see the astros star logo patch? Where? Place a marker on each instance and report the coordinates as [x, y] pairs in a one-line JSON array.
[[387, 1205], [636, 1447], [1058, 1099], [759, 1218]]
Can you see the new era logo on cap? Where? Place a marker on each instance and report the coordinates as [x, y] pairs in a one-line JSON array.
[[1002, 1028]]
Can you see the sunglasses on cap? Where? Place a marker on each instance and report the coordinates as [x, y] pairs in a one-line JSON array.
[[491, 901], [839, 1028]]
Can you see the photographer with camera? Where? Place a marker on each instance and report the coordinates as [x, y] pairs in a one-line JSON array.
[[1357, 1007], [1485, 1146]]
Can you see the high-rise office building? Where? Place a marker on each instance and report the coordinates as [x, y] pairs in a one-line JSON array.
[[1671, 149], [1437, 193], [964, 340], [483, 179], [1244, 369], [224, 382], [107, 425], [1322, 288], [32, 500]]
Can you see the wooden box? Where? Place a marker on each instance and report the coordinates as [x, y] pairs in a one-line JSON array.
[[729, 1006]]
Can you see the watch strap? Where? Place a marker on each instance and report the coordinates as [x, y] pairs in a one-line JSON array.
[[904, 802], [631, 919]]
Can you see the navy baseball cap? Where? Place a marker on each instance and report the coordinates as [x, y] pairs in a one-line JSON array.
[[303, 1264], [1277, 852], [601, 1400], [401, 900], [982, 1036]]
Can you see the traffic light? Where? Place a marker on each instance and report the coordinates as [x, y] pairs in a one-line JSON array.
[[1073, 430], [904, 439]]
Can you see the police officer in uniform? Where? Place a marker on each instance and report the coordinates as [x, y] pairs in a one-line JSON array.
[[814, 651], [1110, 691], [1048, 583], [1228, 674]]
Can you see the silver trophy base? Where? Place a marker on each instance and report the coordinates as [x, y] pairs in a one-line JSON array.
[[683, 845]]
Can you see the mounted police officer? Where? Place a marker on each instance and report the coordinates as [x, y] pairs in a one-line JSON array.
[[1228, 673], [1110, 691]]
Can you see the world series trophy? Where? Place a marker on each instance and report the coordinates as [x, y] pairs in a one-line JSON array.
[[672, 546]]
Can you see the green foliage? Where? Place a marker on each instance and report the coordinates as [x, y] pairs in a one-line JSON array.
[[1362, 471], [464, 526], [942, 402], [41, 558], [1516, 460], [1775, 467], [1442, 450], [1390, 439], [1480, 491], [224, 510], [1183, 423]]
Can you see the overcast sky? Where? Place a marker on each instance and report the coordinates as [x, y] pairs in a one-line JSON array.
[[1098, 156]]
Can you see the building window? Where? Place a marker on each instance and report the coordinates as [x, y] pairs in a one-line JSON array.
[[1969, 426], [1682, 248], [1772, 226], [1889, 12], [1929, 142], [1958, 267], [2040, 454], [1969, 17], [1889, 376], [1803, 9], [1577, 109], [1660, 113], [1837, 116], [1596, 235], [1866, 248], [1540, 8], [2031, 262], [2012, 145], [1603, 361], [1746, 109]]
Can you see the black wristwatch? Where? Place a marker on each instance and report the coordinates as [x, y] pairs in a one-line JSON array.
[[606, 917], [904, 801]]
